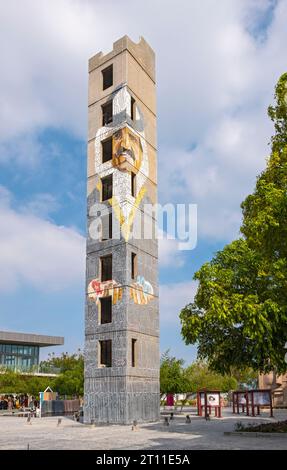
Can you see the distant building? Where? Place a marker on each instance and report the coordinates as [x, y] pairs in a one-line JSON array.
[[278, 385], [21, 351]]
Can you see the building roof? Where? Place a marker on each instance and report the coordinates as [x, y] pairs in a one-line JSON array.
[[30, 338]]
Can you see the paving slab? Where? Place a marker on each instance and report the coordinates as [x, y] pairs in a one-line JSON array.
[[45, 433]]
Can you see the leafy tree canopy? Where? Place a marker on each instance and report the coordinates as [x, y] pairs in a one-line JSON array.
[[172, 375], [239, 315], [71, 378], [14, 382], [200, 376], [174, 378]]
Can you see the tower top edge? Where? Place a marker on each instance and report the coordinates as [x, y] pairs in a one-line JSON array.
[[141, 51]]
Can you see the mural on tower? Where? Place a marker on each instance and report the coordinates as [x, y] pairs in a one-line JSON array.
[[129, 153], [122, 334], [98, 289], [127, 150], [141, 291]]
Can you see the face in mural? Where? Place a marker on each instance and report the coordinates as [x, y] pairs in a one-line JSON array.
[[127, 150], [129, 147], [129, 154]]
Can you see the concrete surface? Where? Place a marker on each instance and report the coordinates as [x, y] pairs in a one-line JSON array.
[[199, 434]]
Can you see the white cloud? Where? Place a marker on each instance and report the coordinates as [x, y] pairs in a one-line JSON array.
[[35, 252], [173, 297], [168, 252], [215, 73], [42, 205], [223, 116], [24, 150]]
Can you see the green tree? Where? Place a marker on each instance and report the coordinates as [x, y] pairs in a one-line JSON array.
[[70, 383], [245, 377], [239, 315], [14, 382], [200, 376], [64, 362], [172, 375], [71, 378], [11, 382]]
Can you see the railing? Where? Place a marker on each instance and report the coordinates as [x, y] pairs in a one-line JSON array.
[[37, 369]]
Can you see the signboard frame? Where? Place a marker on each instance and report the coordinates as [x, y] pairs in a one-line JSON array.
[[204, 402], [254, 399]]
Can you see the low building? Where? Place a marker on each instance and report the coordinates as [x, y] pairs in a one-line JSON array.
[[278, 385], [21, 351]]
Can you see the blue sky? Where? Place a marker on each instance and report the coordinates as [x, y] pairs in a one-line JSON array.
[[217, 64]]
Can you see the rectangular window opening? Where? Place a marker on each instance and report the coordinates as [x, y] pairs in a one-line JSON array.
[[106, 353], [132, 108], [107, 187], [133, 184], [107, 227], [107, 150], [106, 268], [107, 110], [134, 341], [107, 77], [134, 265], [106, 310]]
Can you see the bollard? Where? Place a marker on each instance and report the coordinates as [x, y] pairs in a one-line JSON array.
[[135, 425]]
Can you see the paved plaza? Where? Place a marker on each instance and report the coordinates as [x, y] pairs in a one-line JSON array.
[[44, 433]]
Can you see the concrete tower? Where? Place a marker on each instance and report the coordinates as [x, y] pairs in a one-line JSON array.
[[122, 320]]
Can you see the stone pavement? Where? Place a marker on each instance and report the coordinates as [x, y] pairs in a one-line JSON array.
[[199, 434]]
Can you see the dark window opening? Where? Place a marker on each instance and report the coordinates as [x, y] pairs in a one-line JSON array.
[[107, 110], [107, 77], [107, 187], [134, 352], [134, 265], [132, 108], [107, 226], [133, 184], [106, 309], [106, 353], [107, 146], [106, 268]]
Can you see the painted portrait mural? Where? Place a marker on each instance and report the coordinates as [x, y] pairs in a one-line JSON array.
[[127, 150], [129, 154]]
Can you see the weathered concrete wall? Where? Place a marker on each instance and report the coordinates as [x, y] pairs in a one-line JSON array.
[[123, 393]]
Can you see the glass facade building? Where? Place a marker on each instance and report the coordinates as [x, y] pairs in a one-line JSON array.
[[16, 356], [21, 351]]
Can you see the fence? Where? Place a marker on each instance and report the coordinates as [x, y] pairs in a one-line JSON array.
[[59, 407]]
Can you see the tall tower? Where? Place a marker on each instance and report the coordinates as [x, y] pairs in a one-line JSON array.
[[122, 318]]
